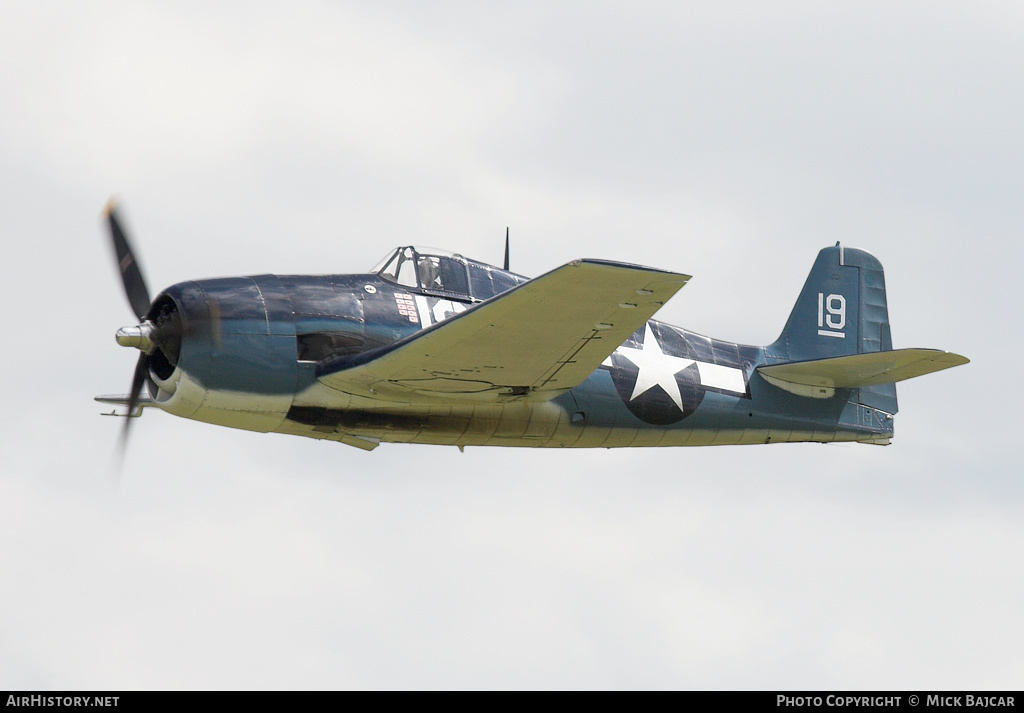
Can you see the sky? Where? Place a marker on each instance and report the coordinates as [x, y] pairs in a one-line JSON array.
[[730, 141]]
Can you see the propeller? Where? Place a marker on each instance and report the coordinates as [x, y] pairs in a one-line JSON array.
[[131, 274], [143, 336]]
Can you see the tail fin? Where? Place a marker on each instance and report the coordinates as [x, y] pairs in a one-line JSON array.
[[841, 311]]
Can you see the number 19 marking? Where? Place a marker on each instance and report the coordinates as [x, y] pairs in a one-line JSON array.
[[831, 314]]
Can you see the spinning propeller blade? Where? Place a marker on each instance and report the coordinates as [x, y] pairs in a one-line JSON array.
[[131, 275], [138, 381], [138, 297]]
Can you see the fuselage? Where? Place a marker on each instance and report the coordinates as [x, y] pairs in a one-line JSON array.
[[251, 347]]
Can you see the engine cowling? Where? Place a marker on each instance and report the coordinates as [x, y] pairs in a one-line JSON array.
[[224, 351]]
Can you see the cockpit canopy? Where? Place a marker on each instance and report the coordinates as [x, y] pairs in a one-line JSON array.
[[445, 273]]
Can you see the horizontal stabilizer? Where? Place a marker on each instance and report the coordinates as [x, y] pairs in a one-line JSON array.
[[819, 378], [543, 337]]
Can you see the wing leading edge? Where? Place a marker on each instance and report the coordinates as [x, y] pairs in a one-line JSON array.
[[537, 340]]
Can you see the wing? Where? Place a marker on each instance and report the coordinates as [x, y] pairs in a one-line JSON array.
[[539, 339]]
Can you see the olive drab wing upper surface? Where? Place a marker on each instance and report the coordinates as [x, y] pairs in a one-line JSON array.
[[544, 336]]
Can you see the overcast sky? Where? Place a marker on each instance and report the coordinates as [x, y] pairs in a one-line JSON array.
[[730, 141]]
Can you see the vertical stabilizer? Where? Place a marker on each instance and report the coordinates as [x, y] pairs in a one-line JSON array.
[[841, 310]]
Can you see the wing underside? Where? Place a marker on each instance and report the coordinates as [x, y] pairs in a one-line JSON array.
[[537, 340]]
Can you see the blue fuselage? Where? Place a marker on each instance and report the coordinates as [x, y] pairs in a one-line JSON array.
[[251, 348]]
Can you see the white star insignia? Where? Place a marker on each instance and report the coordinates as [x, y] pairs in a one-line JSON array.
[[656, 368]]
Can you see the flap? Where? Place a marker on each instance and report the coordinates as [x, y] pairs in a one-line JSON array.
[[857, 370], [541, 338]]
